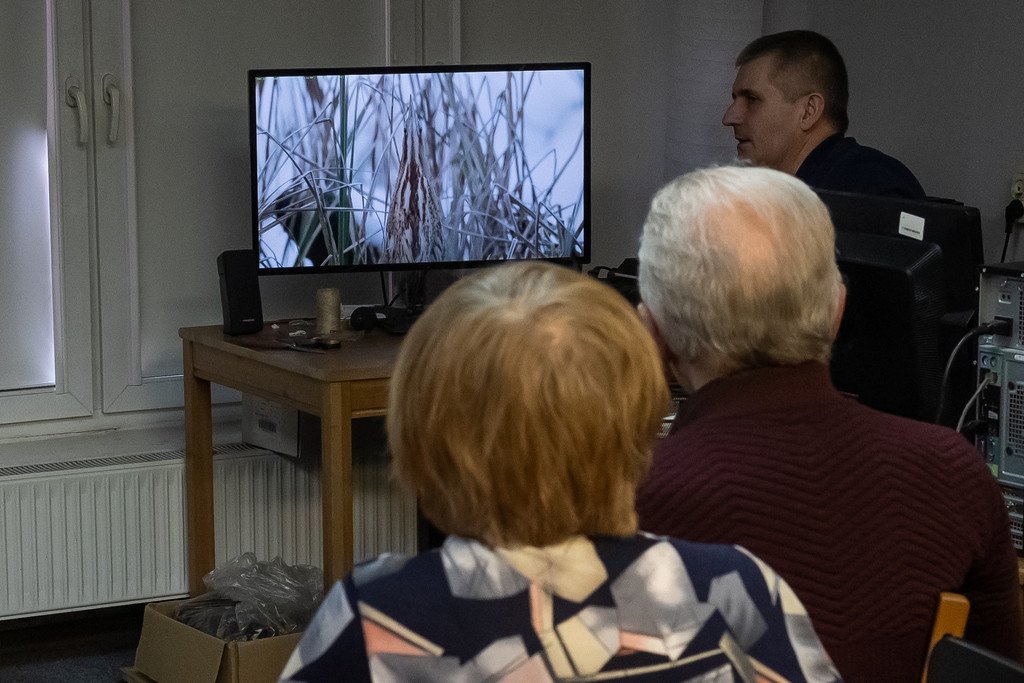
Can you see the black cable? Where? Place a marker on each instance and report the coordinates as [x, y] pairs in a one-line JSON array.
[[993, 327], [389, 302], [973, 428], [1013, 213]]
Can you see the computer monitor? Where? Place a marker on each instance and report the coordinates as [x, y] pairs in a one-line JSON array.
[[911, 271], [406, 168], [953, 227], [888, 352]]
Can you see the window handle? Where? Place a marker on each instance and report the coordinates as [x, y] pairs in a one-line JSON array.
[[76, 100], [112, 96]]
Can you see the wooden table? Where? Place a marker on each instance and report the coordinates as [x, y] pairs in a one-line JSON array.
[[338, 386]]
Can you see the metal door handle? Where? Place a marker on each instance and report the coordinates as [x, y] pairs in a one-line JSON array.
[[75, 99], [112, 96]]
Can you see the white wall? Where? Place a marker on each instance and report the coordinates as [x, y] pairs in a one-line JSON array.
[[938, 85], [626, 44], [190, 59], [934, 84]]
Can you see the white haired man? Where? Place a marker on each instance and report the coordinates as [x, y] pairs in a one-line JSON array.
[[869, 516]]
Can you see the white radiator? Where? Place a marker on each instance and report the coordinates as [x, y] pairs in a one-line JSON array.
[[111, 531]]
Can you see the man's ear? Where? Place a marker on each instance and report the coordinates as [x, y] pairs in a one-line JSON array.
[[652, 326], [839, 311], [813, 111]]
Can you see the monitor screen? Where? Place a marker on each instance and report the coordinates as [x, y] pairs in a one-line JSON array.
[[395, 168]]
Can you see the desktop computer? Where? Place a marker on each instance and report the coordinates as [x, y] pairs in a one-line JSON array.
[[1000, 402]]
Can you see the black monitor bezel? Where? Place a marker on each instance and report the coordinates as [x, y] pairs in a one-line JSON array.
[[586, 224]]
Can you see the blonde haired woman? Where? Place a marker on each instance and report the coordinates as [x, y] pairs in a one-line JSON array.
[[523, 406]]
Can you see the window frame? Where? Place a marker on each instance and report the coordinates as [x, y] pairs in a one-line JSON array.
[[70, 226]]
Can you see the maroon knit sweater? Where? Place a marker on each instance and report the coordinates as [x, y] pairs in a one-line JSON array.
[[868, 516]]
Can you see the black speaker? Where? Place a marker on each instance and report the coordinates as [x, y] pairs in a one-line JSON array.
[[240, 291]]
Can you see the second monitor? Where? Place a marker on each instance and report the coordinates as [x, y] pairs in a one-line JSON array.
[[911, 271]]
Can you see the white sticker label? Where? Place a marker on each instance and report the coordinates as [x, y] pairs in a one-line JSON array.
[[911, 225]]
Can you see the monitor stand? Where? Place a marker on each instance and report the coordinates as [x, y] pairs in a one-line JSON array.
[[405, 296], [407, 290], [413, 290]]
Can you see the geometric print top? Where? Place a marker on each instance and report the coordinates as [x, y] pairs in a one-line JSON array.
[[639, 608]]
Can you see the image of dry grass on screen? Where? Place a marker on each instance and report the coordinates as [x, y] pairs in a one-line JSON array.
[[305, 187], [428, 167], [502, 201]]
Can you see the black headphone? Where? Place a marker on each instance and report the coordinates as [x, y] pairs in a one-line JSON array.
[[363, 318], [392, 320]]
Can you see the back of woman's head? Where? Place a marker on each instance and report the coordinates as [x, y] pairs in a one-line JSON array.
[[523, 406]]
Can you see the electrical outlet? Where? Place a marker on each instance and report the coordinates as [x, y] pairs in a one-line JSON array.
[[1017, 186]]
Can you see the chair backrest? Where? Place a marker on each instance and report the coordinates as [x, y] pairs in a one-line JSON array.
[[954, 660], [950, 620]]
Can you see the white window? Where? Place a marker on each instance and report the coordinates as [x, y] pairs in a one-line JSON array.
[[95, 281], [25, 280], [46, 366]]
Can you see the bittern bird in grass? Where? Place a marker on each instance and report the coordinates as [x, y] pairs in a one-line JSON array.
[[414, 225]]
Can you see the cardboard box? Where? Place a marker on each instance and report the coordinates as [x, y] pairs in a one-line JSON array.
[[277, 428], [170, 651], [270, 425]]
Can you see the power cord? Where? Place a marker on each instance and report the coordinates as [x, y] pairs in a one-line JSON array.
[[974, 397], [1002, 327], [1014, 212]]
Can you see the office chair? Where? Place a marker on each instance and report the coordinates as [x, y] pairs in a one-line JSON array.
[[954, 660]]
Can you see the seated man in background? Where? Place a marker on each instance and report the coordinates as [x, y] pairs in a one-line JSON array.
[[788, 112], [867, 515], [522, 409]]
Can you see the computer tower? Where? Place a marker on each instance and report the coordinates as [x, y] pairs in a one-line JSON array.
[[1000, 401]]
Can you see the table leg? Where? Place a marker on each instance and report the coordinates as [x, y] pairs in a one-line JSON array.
[[336, 469], [199, 529]]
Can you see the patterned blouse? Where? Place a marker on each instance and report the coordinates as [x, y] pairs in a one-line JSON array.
[[641, 608]]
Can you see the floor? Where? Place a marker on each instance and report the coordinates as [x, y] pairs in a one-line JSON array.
[[69, 648]]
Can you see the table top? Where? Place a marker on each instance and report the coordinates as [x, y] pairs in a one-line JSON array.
[[360, 355]]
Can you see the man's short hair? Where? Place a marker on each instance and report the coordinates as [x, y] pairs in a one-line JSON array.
[[523, 407], [805, 62], [737, 265]]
